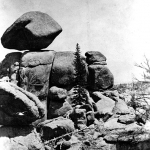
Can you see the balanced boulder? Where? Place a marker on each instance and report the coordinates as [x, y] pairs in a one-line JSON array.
[[17, 106], [95, 57], [32, 31]]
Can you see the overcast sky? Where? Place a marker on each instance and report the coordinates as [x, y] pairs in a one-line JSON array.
[[120, 29]]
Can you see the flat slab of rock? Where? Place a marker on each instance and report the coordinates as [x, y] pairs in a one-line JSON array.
[[32, 59], [33, 30], [17, 106]]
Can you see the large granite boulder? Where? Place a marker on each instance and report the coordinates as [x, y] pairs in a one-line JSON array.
[[63, 70], [95, 57], [32, 31], [100, 77], [17, 106], [20, 138], [10, 65], [35, 69]]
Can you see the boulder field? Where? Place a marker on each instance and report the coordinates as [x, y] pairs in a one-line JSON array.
[[37, 108]]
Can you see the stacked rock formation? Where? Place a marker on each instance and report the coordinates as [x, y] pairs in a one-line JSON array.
[[42, 82], [100, 76], [38, 103], [21, 107], [33, 31]]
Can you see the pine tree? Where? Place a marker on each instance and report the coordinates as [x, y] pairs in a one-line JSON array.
[[80, 71]]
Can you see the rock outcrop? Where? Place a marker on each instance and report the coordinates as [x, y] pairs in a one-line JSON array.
[[32, 31], [40, 106]]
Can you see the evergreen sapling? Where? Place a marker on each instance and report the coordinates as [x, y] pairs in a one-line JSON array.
[[80, 82]]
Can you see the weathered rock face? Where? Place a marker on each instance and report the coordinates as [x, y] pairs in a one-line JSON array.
[[50, 129], [63, 70], [32, 31], [17, 106], [35, 73], [18, 138], [100, 77], [95, 57], [10, 66]]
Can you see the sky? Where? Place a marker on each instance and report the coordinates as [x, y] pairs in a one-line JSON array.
[[119, 29]]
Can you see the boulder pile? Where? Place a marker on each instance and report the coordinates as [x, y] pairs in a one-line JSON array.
[[37, 108]]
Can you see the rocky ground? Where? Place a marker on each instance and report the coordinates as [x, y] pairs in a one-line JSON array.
[[37, 107], [110, 123]]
